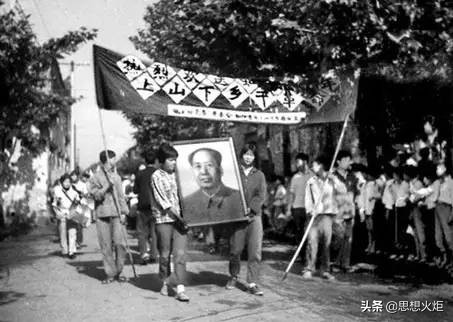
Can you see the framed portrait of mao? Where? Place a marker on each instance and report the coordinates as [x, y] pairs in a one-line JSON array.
[[210, 185]]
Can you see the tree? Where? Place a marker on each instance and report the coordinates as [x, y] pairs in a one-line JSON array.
[[284, 38], [27, 106], [297, 42]]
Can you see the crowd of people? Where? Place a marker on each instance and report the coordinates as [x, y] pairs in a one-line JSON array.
[[405, 206], [161, 229]]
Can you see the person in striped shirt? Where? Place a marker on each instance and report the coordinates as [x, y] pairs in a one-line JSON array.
[[170, 239]]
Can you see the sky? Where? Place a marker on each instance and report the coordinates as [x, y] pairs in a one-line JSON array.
[[116, 21]]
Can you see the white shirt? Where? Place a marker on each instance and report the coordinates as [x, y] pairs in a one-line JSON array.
[[63, 200], [327, 204]]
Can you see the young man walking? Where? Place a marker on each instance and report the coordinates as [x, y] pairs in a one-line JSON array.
[[171, 240], [146, 228], [296, 200], [346, 208], [320, 202], [111, 209]]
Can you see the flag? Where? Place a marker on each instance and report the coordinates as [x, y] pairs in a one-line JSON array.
[[124, 82]]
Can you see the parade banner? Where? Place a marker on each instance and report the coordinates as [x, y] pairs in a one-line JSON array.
[[124, 82]]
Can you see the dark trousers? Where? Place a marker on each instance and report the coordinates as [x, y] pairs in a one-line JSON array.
[[419, 225], [397, 223], [146, 231], [252, 235], [430, 238], [380, 226], [111, 236], [300, 222], [171, 242]]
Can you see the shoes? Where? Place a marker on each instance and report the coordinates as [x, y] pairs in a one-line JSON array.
[[307, 275], [122, 279], [328, 276], [144, 260], [231, 284], [255, 290], [182, 297], [164, 290], [72, 256], [108, 280]]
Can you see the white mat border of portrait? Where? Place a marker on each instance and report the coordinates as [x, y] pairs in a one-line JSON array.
[[235, 168]]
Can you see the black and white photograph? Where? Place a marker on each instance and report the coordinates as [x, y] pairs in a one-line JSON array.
[[226, 160], [210, 183]]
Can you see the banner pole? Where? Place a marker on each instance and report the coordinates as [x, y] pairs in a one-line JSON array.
[[312, 219], [123, 230]]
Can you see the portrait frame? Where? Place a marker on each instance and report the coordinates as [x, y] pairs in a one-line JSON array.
[[231, 205]]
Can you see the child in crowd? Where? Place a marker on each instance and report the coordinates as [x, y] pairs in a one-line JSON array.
[[379, 228], [415, 201], [443, 214], [389, 204], [424, 201], [279, 200], [369, 194], [399, 218]]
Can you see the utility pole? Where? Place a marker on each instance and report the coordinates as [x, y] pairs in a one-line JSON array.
[[73, 126], [74, 150]]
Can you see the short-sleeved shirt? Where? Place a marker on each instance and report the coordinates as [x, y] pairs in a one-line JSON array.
[[165, 192], [297, 188]]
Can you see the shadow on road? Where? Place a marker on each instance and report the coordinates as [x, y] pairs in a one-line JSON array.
[[153, 283], [10, 297], [92, 269]]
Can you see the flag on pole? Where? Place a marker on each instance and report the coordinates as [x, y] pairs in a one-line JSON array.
[[124, 82]]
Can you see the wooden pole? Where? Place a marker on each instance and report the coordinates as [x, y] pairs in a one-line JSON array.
[[304, 238], [123, 230]]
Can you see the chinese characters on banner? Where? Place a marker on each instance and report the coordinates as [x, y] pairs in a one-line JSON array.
[[177, 85]]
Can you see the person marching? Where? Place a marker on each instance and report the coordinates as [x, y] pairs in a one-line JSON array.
[[320, 202], [346, 209], [171, 238], [111, 210], [296, 196], [64, 198], [77, 185], [146, 229], [250, 233]]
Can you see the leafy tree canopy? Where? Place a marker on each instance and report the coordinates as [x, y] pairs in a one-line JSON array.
[[27, 105], [298, 41], [403, 39]]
